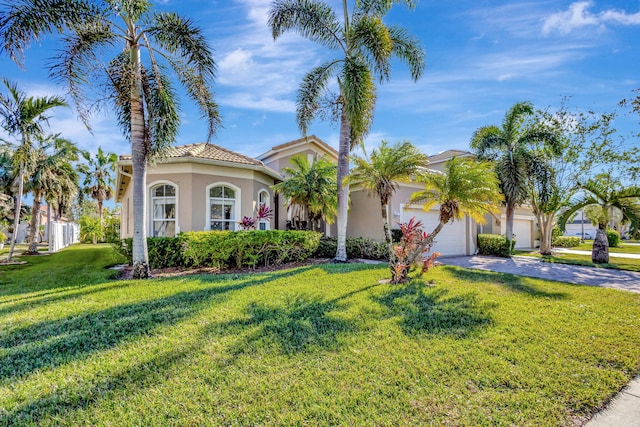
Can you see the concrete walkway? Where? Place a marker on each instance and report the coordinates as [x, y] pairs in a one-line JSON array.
[[534, 267], [624, 408], [611, 254]]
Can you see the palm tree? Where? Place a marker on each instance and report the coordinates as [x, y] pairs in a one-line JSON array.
[[364, 46], [23, 117], [312, 186], [381, 172], [98, 181], [51, 160], [141, 91], [509, 148], [467, 187], [599, 193]]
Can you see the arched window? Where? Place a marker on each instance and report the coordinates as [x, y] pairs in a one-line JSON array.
[[223, 204], [263, 199], [163, 210]]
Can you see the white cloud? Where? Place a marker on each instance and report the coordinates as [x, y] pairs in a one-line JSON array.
[[579, 16]]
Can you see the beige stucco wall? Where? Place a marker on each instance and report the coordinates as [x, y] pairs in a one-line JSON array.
[[191, 181]]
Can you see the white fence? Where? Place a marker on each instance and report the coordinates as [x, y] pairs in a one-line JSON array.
[[62, 235]]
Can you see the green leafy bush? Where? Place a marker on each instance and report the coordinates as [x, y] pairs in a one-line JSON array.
[[223, 249], [494, 244], [565, 241], [357, 247], [555, 232], [90, 230], [613, 237]]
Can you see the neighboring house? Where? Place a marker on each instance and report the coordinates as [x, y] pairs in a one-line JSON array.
[[578, 224], [207, 187]]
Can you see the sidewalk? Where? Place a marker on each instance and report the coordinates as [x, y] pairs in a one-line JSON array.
[[622, 411], [611, 254]]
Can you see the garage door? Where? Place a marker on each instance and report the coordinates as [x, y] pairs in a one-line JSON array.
[[522, 230], [451, 239]]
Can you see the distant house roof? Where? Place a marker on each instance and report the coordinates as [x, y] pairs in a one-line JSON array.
[[204, 150], [446, 155]]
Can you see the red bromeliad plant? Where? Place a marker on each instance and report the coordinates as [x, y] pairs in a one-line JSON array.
[[412, 252], [249, 223]]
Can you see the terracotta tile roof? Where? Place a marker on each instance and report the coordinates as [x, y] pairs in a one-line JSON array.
[[208, 151], [446, 155]]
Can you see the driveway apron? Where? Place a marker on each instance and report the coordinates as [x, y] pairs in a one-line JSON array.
[[534, 267]]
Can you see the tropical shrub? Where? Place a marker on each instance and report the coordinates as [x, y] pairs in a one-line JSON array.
[[613, 237], [412, 253], [90, 230], [357, 247], [494, 244], [565, 241], [223, 249]]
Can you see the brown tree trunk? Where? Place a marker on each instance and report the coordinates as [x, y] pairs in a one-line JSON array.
[[343, 188], [545, 222], [34, 225], [385, 223], [600, 251]]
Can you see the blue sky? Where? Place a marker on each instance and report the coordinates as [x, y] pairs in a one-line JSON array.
[[482, 57]]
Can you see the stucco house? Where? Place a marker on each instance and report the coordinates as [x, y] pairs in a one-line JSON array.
[[207, 187]]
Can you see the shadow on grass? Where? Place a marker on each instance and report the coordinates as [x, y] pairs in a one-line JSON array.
[[300, 324], [52, 343], [510, 281], [429, 310]]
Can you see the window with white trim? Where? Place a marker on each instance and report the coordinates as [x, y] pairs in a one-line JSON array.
[[222, 203], [263, 199], [163, 210]]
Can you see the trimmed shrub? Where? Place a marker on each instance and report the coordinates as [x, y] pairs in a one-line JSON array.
[[565, 241], [357, 247], [224, 249], [613, 237], [555, 232], [494, 244]]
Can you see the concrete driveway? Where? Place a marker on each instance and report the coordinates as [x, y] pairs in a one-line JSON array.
[[534, 267]]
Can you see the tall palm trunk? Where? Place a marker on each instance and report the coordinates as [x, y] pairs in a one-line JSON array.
[[100, 202], [509, 225], [384, 208], [600, 251], [139, 166], [545, 223], [35, 224], [343, 188], [16, 215]]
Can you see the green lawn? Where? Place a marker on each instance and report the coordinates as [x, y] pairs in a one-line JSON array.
[[316, 345], [616, 263]]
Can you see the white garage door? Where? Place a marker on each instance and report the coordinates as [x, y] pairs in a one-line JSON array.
[[450, 241], [522, 230]]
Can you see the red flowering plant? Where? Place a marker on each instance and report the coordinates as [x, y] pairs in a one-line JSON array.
[[262, 212], [412, 252]]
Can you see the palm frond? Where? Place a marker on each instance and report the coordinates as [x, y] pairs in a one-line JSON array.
[[409, 50], [371, 40], [313, 85], [359, 95], [312, 19]]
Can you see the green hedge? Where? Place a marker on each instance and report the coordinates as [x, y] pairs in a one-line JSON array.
[[613, 237], [565, 241], [494, 244], [225, 249], [357, 247]]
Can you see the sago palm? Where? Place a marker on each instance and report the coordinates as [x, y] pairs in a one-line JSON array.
[[381, 172], [141, 91], [466, 187], [364, 47], [98, 177], [24, 118], [598, 193], [310, 185], [52, 158], [509, 147]]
